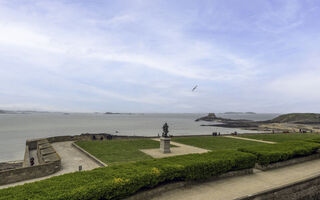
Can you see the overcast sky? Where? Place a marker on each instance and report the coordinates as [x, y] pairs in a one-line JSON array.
[[146, 56]]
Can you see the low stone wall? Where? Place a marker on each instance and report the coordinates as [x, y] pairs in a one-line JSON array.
[[25, 173], [49, 163], [26, 160], [151, 193], [307, 189], [11, 165], [90, 136], [32, 144], [46, 152], [287, 162], [99, 162], [95, 136]]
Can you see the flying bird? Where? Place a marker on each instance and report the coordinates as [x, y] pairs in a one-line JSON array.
[[195, 87]]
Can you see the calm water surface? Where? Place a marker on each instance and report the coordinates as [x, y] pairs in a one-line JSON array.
[[15, 129]]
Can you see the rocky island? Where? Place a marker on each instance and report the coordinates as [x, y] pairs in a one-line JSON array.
[[292, 122]]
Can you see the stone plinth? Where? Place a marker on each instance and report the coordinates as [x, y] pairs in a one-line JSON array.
[[165, 145]]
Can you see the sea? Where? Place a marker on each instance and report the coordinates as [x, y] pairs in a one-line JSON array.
[[15, 129]]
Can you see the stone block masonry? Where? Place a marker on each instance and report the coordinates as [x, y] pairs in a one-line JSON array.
[[307, 189], [26, 173], [165, 145], [47, 162]]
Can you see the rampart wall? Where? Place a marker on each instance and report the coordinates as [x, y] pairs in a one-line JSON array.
[[48, 163]]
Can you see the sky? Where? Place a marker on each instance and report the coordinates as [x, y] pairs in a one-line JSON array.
[[146, 56]]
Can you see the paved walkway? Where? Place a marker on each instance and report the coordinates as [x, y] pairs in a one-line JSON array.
[[236, 187], [181, 149], [71, 158], [249, 139]]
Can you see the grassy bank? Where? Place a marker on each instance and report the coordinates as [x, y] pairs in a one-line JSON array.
[[215, 143]]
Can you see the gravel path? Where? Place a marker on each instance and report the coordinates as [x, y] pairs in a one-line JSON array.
[[254, 140], [71, 158], [181, 149]]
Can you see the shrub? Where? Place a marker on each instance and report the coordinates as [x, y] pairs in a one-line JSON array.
[[267, 154], [119, 181], [314, 140]]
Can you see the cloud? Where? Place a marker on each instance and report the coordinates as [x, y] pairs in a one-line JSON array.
[[302, 86], [142, 54]]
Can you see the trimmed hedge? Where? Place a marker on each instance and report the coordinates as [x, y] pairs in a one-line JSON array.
[[119, 181], [267, 154], [315, 140]]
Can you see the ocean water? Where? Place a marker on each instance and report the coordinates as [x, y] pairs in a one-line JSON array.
[[15, 129]]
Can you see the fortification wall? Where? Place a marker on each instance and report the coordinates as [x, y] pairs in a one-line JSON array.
[[48, 159], [25, 173], [88, 136], [307, 189], [26, 160], [93, 136]]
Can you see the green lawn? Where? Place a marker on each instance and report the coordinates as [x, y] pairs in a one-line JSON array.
[[118, 151], [215, 143], [283, 137]]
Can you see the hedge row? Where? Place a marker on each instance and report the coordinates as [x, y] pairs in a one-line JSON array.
[[267, 154], [119, 181], [314, 140]]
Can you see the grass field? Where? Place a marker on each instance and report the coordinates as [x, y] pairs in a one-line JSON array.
[[283, 137], [119, 151], [215, 143]]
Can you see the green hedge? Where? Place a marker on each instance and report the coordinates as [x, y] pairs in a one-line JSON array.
[[122, 180], [267, 154], [315, 140]]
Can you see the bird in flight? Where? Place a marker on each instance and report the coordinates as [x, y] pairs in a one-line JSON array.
[[194, 88]]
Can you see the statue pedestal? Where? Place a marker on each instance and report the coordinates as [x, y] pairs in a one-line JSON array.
[[165, 145]]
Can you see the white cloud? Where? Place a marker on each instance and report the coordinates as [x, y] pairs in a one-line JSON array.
[[303, 85], [51, 49]]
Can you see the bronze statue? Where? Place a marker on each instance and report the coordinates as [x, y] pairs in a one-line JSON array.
[[165, 129]]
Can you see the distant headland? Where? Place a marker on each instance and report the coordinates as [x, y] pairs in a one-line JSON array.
[[292, 122], [240, 113]]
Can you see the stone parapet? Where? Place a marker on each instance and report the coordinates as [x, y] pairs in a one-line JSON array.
[[307, 189]]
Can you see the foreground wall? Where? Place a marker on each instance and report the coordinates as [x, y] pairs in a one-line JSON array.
[[25, 173], [308, 189]]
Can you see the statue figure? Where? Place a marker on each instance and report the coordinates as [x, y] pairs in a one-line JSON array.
[[165, 129]]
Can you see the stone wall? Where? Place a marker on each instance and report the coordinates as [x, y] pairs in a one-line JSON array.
[[89, 136], [308, 189], [49, 163], [100, 163], [25, 173], [26, 160], [93, 136], [46, 153]]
